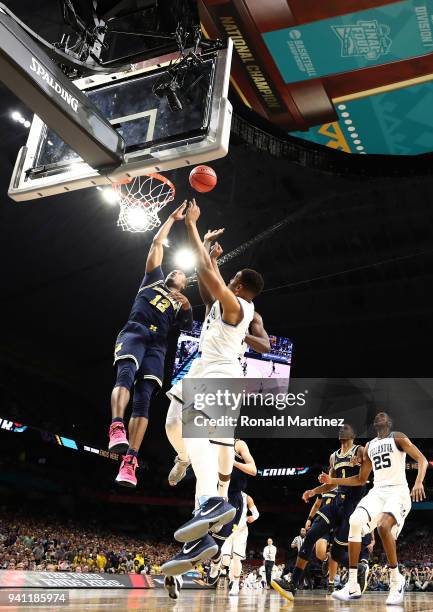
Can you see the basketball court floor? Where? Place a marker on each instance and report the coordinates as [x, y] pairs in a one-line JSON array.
[[193, 601]]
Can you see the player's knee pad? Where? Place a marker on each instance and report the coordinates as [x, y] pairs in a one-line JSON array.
[[316, 531], [338, 552], [358, 520], [143, 392], [125, 373], [174, 413]]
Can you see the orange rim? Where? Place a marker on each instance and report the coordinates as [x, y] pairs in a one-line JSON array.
[[132, 201]]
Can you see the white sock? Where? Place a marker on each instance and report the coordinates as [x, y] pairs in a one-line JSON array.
[[223, 488], [394, 573], [173, 428], [353, 577], [205, 465], [226, 457]]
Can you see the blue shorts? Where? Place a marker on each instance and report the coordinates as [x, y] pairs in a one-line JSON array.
[[337, 514], [237, 501], [144, 348], [365, 553]]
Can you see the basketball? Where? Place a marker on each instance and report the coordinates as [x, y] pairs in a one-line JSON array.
[[203, 178]]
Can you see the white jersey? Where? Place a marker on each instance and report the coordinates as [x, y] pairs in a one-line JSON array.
[[389, 462], [220, 341]]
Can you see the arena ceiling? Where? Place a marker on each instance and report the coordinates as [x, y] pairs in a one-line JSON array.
[[352, 75]]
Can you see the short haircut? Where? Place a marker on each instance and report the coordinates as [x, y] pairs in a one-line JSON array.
[[252, 281]]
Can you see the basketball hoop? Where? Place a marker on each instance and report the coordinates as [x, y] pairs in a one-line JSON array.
[[140, 199]]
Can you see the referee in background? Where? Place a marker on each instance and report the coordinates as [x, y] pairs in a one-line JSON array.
[[295, 547]]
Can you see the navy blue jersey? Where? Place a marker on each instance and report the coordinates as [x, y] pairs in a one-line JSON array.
[[238, 480], [342, 464], [154, 307]]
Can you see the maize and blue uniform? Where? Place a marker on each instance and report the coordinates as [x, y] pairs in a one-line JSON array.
[[337, 506], [347, 498], [143, 339]]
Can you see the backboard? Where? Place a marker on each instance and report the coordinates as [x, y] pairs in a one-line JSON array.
[[156, 137]]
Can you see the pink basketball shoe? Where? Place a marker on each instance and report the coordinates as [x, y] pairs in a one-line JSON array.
[[126, 476], [118, 441]]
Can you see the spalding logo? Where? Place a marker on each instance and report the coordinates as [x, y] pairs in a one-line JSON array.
[[46, 76]]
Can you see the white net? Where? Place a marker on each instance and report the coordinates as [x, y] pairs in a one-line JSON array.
[[140, 201]]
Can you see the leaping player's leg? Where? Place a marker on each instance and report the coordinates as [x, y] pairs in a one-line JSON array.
[[226, 456], [128, 355], [125, 374], [173, 429], [143, 391]]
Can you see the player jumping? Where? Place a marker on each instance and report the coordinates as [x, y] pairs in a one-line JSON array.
[[256, 338], [228, 323], [140, 350], [385, 506]]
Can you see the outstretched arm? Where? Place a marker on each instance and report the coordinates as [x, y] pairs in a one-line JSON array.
[[258, 339], [404, 444], [324, 488], [206, 297], [156, 251], [232, 309]]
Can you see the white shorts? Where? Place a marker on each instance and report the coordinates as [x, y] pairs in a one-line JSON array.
[[206, 369], [236, 543], [391, 500]]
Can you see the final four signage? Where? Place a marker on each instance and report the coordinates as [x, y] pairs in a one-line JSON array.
[[343, 43]]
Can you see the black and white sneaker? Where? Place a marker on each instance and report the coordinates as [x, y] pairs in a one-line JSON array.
[[213, 573], [191, 553], [212, 514], [363, 572], [173, 585]]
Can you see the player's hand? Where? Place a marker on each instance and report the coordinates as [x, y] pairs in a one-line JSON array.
[[307, 524], [193, 212], [250, 519], [216, 251], [324, 478], [178, 215], [182, 299], [307, 495], [417, 493], [212, 235]]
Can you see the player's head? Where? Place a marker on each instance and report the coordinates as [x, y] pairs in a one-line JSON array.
[[346, 432], [176, 280], [303, 532], [247, 284], [270, 541], [382, 422]]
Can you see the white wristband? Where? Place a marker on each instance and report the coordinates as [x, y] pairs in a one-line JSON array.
[[254, 513]]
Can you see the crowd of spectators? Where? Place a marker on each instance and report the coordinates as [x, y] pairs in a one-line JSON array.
[[50, 545]]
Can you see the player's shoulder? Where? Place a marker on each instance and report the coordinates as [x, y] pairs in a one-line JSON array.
[[240, 446], [398, 434]]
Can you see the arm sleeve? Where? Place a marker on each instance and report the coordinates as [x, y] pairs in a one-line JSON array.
[[153, 276], [184, 319]]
